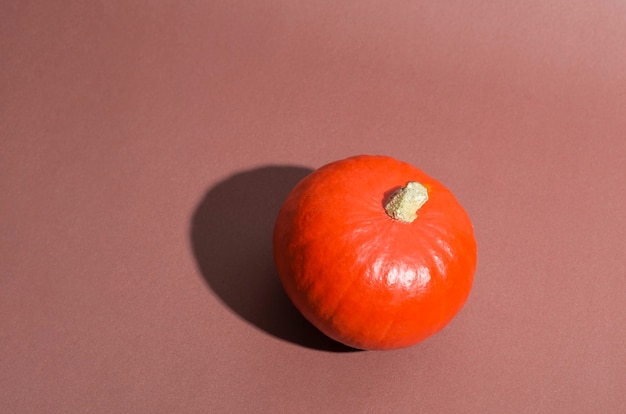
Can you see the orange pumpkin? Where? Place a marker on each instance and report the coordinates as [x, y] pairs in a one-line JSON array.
[[375, 253]]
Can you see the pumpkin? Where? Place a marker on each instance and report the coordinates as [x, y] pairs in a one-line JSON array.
[[375, 253]]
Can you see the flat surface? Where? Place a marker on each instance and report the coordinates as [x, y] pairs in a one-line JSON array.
[[145, 148]]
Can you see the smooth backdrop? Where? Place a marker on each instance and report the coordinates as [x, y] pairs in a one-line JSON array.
[[146, 146]]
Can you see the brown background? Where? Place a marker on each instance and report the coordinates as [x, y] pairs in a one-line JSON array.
[[146, 147]]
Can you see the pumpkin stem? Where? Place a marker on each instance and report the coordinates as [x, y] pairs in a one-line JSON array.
[[404, 203]]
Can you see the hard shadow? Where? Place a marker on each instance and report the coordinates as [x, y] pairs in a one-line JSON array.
[[231, 235]]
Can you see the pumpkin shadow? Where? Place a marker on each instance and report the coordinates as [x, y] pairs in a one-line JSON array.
[[231, 237]]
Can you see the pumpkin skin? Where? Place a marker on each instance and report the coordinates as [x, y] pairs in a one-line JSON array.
[[361, 277]]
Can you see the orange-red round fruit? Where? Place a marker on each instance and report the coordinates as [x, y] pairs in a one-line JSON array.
[[373, 261]]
